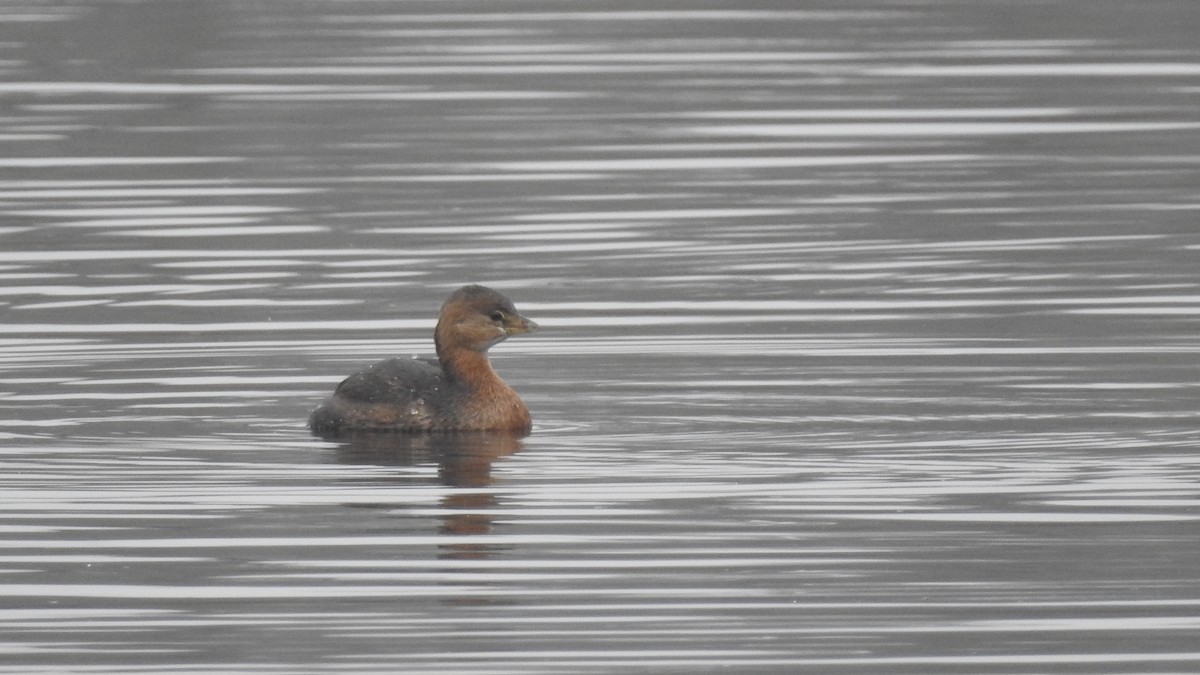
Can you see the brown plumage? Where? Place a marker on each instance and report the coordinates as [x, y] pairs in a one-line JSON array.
[[458, 392]]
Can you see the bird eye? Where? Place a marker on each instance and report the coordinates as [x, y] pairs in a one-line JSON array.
[[497, 316]]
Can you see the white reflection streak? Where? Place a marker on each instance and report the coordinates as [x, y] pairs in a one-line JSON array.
[[886, 113], [244, 231], [665, 214], [1042, 70], [128, 192], [159, 222], [782, 305], [147, 211], [1022, 517], [49, 162], [317, 541], [271, 91], [701, 163], [895, 129]]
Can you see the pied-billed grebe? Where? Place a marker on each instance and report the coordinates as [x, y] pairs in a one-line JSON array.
[[458, 392]]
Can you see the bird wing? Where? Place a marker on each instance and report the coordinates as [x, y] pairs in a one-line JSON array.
[[395, 381]]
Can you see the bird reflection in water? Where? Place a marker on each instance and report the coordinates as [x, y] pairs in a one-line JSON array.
[[464, 461]]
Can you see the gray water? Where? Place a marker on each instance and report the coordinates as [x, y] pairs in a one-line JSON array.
[[870, 336]]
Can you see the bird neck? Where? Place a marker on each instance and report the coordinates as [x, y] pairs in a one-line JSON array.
[[469, 367]]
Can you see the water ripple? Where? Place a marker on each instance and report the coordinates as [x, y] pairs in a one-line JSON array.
[[869, 336]]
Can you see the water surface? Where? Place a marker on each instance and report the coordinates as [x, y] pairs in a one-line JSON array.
[[871, 336]]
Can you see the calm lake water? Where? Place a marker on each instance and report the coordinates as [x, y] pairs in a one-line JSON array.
[[871, 336]]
